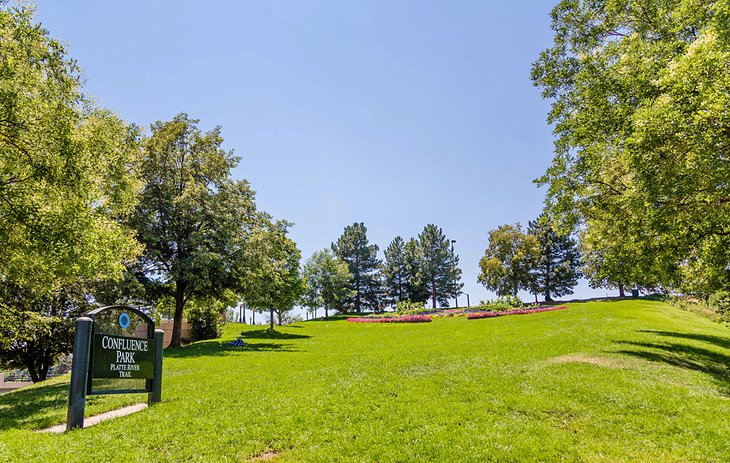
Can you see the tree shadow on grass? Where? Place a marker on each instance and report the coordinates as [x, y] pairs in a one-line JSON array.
[[710, 362], [268, 334], [719, 341], [331, 318], [222, 349], [33, 408]]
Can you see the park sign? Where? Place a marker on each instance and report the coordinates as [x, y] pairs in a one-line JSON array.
[[114, 344], [122, 357]]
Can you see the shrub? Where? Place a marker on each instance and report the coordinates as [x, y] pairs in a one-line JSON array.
[[501, 303], [409, 308], [205, 323], [720, 301]]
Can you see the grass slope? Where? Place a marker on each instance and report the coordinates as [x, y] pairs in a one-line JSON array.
[[602, 381]]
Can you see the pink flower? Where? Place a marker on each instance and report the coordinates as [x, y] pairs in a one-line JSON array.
[[476, 315], [403, 319]]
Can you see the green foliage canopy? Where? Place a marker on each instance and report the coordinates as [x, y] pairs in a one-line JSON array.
[[67, 177], [272, 280], [509, 260], [328, 281], [642, 154], [65, 167], [193, 218]]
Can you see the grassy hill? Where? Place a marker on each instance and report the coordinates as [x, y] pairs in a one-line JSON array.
[[601, 381]]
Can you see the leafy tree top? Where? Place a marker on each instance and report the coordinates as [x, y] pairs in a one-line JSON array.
[[66, 168], [639, 110]]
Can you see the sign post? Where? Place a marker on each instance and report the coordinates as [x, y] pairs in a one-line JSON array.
[[79, 371], [114, 343]]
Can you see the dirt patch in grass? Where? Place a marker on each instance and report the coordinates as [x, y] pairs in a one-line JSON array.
[[266, 456], [585, 358]]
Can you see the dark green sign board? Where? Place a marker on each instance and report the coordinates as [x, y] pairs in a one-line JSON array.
[[114, 344], [122, 357]]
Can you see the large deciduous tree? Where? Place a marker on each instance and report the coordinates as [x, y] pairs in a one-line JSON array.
[[66, 178], [193, 218], [439, 265], [64, 166], [642, 152], [508, 261], [362, 261], [328, 281], [272, 280], [558, 267], [36, 328]]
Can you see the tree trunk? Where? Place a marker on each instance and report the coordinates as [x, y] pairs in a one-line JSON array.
[[326, 313], [176, 340], [621, 290], [253, 317], [357, 299], [547, 277], [43, 373], [271, 319], [38, 369], [33, 374], [280, 316], [536, 301], [433, 293]]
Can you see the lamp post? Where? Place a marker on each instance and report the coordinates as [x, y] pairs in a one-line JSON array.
[[456, 291]]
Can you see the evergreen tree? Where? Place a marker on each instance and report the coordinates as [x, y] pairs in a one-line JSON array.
[[416, 290], [362, 261], [440, 271], [395, 271], [557, 270]]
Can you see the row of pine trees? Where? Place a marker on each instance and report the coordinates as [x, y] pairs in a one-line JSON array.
[[421, 269]]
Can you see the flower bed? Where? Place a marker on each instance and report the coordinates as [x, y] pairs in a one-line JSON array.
[[474, 316], [404, 319]]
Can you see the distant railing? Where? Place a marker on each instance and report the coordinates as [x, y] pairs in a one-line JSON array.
[[6, 386]]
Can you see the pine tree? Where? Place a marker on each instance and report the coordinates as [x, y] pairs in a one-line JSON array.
[[557, 270], [415, 288], [440, 271], [362, 261], [395, 271]]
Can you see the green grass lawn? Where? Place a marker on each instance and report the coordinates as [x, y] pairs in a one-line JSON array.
[[602, 381]]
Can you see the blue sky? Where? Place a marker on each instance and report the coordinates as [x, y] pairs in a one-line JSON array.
[[392, 113]]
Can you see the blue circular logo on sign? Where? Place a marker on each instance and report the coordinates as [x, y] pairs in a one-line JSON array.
[[124, 320]]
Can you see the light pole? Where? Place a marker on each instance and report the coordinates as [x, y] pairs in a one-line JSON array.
[[456, 290]]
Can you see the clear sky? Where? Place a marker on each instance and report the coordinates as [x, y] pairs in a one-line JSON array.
[[392, 113]]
